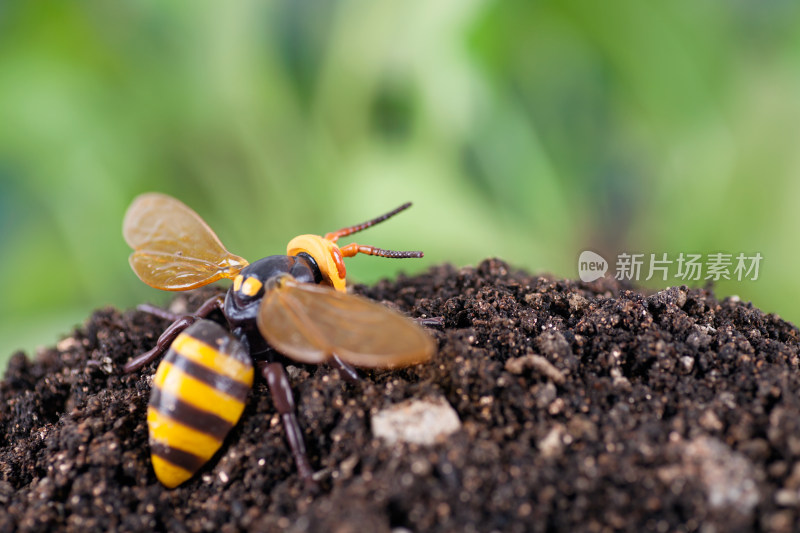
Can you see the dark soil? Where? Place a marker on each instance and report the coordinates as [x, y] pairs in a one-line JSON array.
[[584, 406]]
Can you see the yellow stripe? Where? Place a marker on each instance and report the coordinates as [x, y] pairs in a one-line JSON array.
[[168, 474], [202, 353], [237, 282], [170, 379], [172, 433], [251, 286]]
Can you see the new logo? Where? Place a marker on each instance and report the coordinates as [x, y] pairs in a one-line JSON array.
[[591, 266]]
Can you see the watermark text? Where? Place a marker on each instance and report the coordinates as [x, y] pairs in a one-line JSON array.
[[662, 266]]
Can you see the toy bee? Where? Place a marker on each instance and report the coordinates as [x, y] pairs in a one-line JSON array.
[[294, 305]]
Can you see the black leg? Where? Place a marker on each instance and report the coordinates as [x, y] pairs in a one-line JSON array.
[[217, 302], [282, 396], [166, 338], [435, 321], [345, 370], [157, 311], [162, 344]]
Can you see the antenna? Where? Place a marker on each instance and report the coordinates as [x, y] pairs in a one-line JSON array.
[[352, 249], [344, 232]]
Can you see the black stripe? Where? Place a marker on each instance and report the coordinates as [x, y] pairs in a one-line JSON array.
[[224, 384], [187, 414], [187, 461], [216, 337], [206, 331]]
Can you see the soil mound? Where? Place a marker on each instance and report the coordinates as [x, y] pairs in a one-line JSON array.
[[580, 407]]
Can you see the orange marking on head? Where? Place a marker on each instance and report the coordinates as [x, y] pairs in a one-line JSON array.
[[324, 253], [339, 262], [330, 258]]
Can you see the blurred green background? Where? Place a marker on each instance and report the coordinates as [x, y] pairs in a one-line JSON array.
[[524, 130]]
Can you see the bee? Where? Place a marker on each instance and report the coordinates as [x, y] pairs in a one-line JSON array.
[[292, 305]]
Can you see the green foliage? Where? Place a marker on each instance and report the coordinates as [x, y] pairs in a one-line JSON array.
[[524, 130]]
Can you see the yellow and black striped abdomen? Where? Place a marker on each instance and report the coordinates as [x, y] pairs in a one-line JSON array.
[[199, 392]]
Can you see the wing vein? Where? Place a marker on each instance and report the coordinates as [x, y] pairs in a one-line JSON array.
[[304, 323]]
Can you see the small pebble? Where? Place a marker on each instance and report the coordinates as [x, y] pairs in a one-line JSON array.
[[416, 421]]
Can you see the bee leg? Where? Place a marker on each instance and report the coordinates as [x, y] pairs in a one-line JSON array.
[[282, 397], [162, 344], [345, 370], [217, 302], [434, 321], [166, 338], [157, 311]]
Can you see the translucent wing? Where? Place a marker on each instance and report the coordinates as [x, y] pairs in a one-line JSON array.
[[174, 249], [309, 323]]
